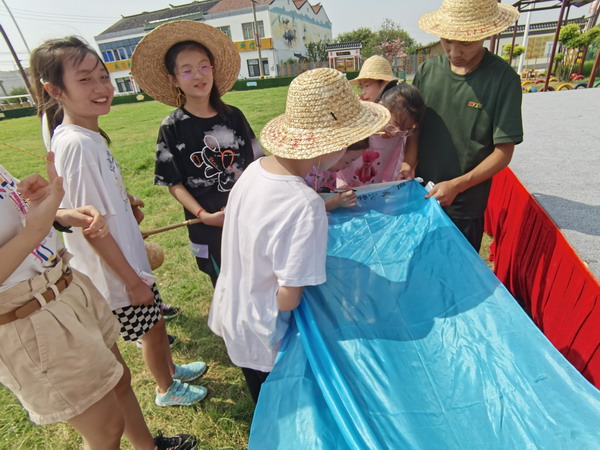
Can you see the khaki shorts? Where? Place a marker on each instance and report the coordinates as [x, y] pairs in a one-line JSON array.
[[58, 360]]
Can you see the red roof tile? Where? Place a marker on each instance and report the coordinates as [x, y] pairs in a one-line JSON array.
[[231, 5]]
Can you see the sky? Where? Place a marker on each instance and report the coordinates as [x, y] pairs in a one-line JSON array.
[[43, 19]]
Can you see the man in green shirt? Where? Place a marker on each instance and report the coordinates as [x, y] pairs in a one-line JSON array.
[[473, 119]]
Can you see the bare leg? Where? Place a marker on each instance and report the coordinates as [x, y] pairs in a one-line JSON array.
[[136, 429], [101, 425], [157, 355]]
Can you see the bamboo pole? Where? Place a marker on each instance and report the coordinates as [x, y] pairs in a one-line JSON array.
[[145, 234]]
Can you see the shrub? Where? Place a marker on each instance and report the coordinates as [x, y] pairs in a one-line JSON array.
[[587, 69]]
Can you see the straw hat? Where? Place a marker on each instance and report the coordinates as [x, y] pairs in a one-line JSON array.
[[469, 20], [322, 115], [148, 60], [375, 68]]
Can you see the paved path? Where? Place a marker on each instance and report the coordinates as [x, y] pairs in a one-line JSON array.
[[559, 163]]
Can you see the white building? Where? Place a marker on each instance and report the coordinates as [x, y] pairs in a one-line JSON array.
[[285, 27]]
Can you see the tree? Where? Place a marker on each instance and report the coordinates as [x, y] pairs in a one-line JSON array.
[[389, 32], [316, 51], [389, 49], [516, 52], [569, 35], [571, 38], [364, 35]]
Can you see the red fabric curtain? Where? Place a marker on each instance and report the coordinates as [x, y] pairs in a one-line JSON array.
[[542, 271]]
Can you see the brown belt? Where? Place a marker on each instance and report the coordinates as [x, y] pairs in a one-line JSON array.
[[33, 305]]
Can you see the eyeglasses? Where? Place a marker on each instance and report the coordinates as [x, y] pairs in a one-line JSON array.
[[189, 74], [394, 130]]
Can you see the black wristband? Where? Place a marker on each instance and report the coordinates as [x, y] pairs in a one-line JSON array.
[[58, 227]]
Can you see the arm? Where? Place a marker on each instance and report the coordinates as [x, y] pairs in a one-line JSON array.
[[288, 297], [139, 292], [136, 203], [44, 199], [86, 217], [411, 157], [183, 196], [446, 191], [342, 200]]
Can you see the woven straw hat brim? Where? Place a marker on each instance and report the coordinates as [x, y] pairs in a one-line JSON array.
[[375, 76], [284, 140], [468, 22], [375, 68], [148, 59]]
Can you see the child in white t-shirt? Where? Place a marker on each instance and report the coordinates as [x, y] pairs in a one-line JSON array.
[[275, 230], [73, 89]]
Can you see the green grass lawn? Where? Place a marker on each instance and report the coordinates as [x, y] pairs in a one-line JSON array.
[[222, 420]]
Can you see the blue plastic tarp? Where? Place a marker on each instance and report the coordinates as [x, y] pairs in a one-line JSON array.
[[413, 343]]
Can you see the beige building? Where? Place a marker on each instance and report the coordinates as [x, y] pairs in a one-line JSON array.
[[285, 28]]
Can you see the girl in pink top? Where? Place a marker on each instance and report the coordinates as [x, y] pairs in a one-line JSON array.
[[382, 161]]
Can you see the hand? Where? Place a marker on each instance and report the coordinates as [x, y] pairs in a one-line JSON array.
[[43, 197], [444, 192], [86, 217], [406, 172], [213, 219], [136, 203], [346, 199], [140, 293]]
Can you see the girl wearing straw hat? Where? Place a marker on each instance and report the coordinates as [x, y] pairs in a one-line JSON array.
[[383, 160], [375, 74], [267, 264], [473, 118], [204, 145]]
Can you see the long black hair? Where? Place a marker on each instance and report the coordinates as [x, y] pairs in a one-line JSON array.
[[47, 65], [223, 110]]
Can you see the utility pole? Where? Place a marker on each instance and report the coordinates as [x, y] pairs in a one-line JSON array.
[[16, 58], [256, 40], [17, 25]]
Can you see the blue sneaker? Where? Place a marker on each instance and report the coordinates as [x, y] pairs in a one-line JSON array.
[[181, 394], [189, 372]]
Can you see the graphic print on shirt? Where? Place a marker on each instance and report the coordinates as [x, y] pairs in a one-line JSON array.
[[114, 168], [8, 190], [367, 171], [321, 181], [218, 159]]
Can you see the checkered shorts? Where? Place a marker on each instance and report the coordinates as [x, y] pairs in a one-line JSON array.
[[137, 320]]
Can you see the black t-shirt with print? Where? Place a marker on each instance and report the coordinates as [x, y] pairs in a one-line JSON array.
[[206, 155]]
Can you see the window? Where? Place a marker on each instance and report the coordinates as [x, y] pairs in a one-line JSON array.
[[248, 29], [254, 70], [226, 29], [118, 50], [108, 56], [124, 84], [548, 49]]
